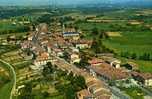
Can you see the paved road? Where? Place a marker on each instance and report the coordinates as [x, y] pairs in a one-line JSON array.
[[14, 76], [115, 90], [61, 63]]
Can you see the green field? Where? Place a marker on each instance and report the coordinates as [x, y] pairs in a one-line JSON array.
[[6, 90], [145, 66], [4, 25], [134, 42]]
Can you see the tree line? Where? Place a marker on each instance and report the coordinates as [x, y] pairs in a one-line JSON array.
[[145, 56]]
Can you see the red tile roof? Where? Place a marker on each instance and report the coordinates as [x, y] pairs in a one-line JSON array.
[[143, 75], [96, 61], [110, 72], [43, 56]]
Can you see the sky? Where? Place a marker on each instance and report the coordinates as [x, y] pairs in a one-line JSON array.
[[43, 2], [46, 2]]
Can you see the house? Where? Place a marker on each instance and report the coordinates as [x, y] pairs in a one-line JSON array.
[[49, 47], [61, 42], [143, 78], [75, 57], [107, 72], [25, 45], [36, 49], [114, 62], [71, 35], [42, 59], [84, 94], [98, 90], [57, 51], [95, 61], [82, 44]]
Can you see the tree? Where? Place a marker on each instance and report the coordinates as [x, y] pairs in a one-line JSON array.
[[145, 56], [80, 82], [97, 46], [47, 70], [61, 73], [76, 28], [95, 31], [103, 35], [70, 76], [45, 94], [8, 38], [125, 54], [133, 56], [65, 55], [70, 92], [82, 64], [60, 88], [94, 46]]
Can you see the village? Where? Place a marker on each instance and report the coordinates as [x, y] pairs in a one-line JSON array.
[[103, 73], [81, 49]]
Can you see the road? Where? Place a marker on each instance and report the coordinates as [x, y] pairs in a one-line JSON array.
[[14, 76], [115, 90], [64, 65]]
